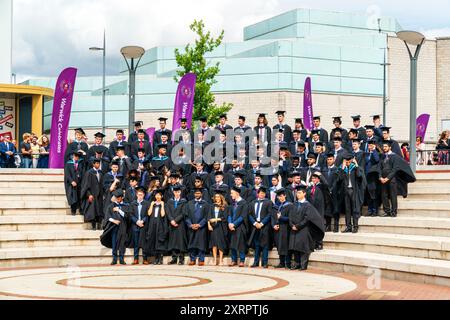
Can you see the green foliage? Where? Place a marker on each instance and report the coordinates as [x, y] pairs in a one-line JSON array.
[[193, 60]]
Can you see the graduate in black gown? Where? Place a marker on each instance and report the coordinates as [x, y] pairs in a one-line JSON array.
[[157, 229], [395, 146], [352, 180], [394, 176], [139, 219], [196, 219], [333, 208], [319, 196], [134, 136], [238, 227], [117, 234], [373, 184], [73, 174], [78, 145], [260, 217], [112, 181], [280, 224], [92, 196], [306, 230], [98, 147], [218, 226], [177, 245]]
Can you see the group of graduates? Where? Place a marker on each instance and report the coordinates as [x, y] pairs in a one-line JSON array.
[[293, 191]]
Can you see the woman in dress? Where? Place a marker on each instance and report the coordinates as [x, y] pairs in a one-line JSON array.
[[217, 226], [156, 229], [44, 144], [155, 184]]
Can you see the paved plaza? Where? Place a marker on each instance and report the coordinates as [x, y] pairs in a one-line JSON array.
[[181, 282]]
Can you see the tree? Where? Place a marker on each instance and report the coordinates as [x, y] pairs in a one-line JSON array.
[[193, 60]]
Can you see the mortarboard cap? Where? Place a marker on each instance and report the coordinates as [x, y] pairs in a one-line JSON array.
[[96, 160], [177, 187], [203, 119], [348, 156], [315, 132], [319, 144], [387, 129], [80, 130], [298, 120], [99, 135], [301, 187], [356, 118], [162, 119], [280, 113], [236, 189], [262, 189], [223, 116], [118, 193], [281, 192], [317, 118], [353, 131], [337, 139], [370, 127], [242, 118], [376, 116], [138, 123], [140, 189], [312, 156]]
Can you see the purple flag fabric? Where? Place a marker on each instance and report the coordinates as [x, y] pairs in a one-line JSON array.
[[422, 125], [308, 112], [62, 106], [184, 102], [151, 132]]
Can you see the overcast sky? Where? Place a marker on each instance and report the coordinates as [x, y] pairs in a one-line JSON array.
[[52, 34]]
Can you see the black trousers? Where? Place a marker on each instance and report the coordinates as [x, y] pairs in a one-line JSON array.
[[389, 196], [348, 201], [301, 259]]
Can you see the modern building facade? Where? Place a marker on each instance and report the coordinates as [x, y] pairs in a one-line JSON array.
[[343, 53]]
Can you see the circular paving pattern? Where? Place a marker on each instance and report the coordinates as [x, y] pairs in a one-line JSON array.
[[168, 282]]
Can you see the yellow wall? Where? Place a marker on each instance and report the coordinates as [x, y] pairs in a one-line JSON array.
[[37, 114]]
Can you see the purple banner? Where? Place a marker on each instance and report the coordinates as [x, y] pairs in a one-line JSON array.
[[62, 106], [184, 102], [151, 132], [422, 125], [308, 113]]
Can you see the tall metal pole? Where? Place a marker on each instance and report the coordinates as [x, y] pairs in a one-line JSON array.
[[104, 85], [384, 89], [132, 98]]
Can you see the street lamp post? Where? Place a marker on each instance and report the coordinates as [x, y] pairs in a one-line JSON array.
[[104, 81], [132, 53], [416, 39], [385, 64]]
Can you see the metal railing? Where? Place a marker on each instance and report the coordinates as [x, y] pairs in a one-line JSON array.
[[433, 157]]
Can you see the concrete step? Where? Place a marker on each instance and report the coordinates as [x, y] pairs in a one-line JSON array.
[[41, 204], [424, 188], [57, 189], [420, 270], [421, 176], [12, 184], [45, 222], [395, 244], [439, 195], [439, 227], [32, 197], [424, 204], [31, 171], [31, 178], [51, 238], [34, 212], [424, 213]]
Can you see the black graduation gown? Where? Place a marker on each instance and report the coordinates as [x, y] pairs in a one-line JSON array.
[[73, 147], [130, 194], [321, 198], [287, 132], [124, 236], [331, 176], [108, 180], [372, 174], [92, 186], [136, 145], [239, 217], [134, 137], [113, 148], [265, 235], [197, 239], [94, 149], [219, 236], [134, 217], [282, 236], [401, 171], [359, 184], [72, 175], [333, 133], [156, 231], [157, 136], [177, 236], [310, 228]]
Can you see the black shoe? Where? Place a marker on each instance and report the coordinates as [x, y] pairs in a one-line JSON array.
[[295, 267], [328, 228], [99, 226], [375, 214], [347, 230], [174, 261], [94, 226], [394, 214], [265, 266], [386, 214], [355, 229], [336, 228], [114, 262], [181, 262], [161, 260], [122, 262], [319, 247], [280, 266], [74, 213], [255, 266]]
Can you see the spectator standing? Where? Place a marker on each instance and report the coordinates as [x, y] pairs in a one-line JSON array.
[[25, 149]]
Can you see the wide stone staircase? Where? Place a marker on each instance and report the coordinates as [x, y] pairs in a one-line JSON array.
[[36, 229]]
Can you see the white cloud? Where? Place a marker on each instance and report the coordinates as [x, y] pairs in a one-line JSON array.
[[436, 33], [52, 34]]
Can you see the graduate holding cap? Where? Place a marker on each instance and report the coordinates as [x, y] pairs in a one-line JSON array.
[[285, 129], [78, 145]]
